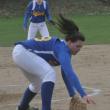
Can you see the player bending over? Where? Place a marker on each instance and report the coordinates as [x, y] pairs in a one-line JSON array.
[[37, 58]]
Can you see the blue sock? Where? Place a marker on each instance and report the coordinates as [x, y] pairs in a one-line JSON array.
[[27, 97], [46, 95]]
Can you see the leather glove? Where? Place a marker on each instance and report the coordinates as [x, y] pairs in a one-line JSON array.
[[77, 104]]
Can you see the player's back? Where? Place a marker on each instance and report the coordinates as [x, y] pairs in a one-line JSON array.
[[40, 45], [44, 49]]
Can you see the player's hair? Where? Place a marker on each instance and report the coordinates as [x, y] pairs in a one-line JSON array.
[[70, 29]]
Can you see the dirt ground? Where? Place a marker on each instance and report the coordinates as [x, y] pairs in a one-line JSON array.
[[92, 65]]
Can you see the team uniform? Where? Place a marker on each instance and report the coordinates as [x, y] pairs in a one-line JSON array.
[[37, 58], [37, 13]]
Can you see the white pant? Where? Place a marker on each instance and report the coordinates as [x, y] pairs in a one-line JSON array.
[[35, 27], [36, 69]]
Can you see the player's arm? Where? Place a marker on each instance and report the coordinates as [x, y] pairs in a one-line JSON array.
[[27, 15], [70, 75], [47, 12], [48, 15], [69, 87]]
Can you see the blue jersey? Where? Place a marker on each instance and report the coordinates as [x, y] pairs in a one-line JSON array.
[[56, 52], [37, 14]]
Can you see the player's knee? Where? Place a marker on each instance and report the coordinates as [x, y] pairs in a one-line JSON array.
[[50, 76], [34, 88]]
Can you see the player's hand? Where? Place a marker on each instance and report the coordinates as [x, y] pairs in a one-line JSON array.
[[52, 22], [87, 99], [24, 28]]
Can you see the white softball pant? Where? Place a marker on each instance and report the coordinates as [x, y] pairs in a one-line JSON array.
[[35, 27], [35, 68]]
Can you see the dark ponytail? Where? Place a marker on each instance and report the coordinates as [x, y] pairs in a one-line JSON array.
[[70, 29]]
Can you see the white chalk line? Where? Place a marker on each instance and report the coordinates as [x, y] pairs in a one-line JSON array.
[[94, 93], [4, 86]]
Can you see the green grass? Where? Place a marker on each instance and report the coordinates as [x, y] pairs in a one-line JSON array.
[[96, 28], [10, 31]]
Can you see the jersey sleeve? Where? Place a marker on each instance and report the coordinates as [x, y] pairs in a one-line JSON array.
[[27, 14], [70, 89], [47, 12], [64, 58]]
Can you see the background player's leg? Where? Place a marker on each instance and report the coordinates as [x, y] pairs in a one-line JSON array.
[[43, 30], [32, 31]]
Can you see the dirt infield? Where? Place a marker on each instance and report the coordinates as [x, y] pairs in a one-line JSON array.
[[92, 65]]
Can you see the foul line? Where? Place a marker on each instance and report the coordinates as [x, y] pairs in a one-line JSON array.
[[94, 91]]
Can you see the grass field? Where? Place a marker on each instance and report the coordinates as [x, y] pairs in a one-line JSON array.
[[96, 28], [92, 64]]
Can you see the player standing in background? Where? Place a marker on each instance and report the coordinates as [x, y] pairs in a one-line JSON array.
[[37, 58], [37, 10]]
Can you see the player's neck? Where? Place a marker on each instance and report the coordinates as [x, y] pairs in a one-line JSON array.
[[39, 2]]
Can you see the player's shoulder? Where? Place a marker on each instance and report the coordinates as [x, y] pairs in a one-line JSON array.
[[63, 46], [30, 4]]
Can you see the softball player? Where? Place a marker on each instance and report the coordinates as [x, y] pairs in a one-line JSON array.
[[37, 58], [36, 11]]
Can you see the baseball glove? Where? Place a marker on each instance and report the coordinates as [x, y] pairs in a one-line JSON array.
[[77, 104]]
